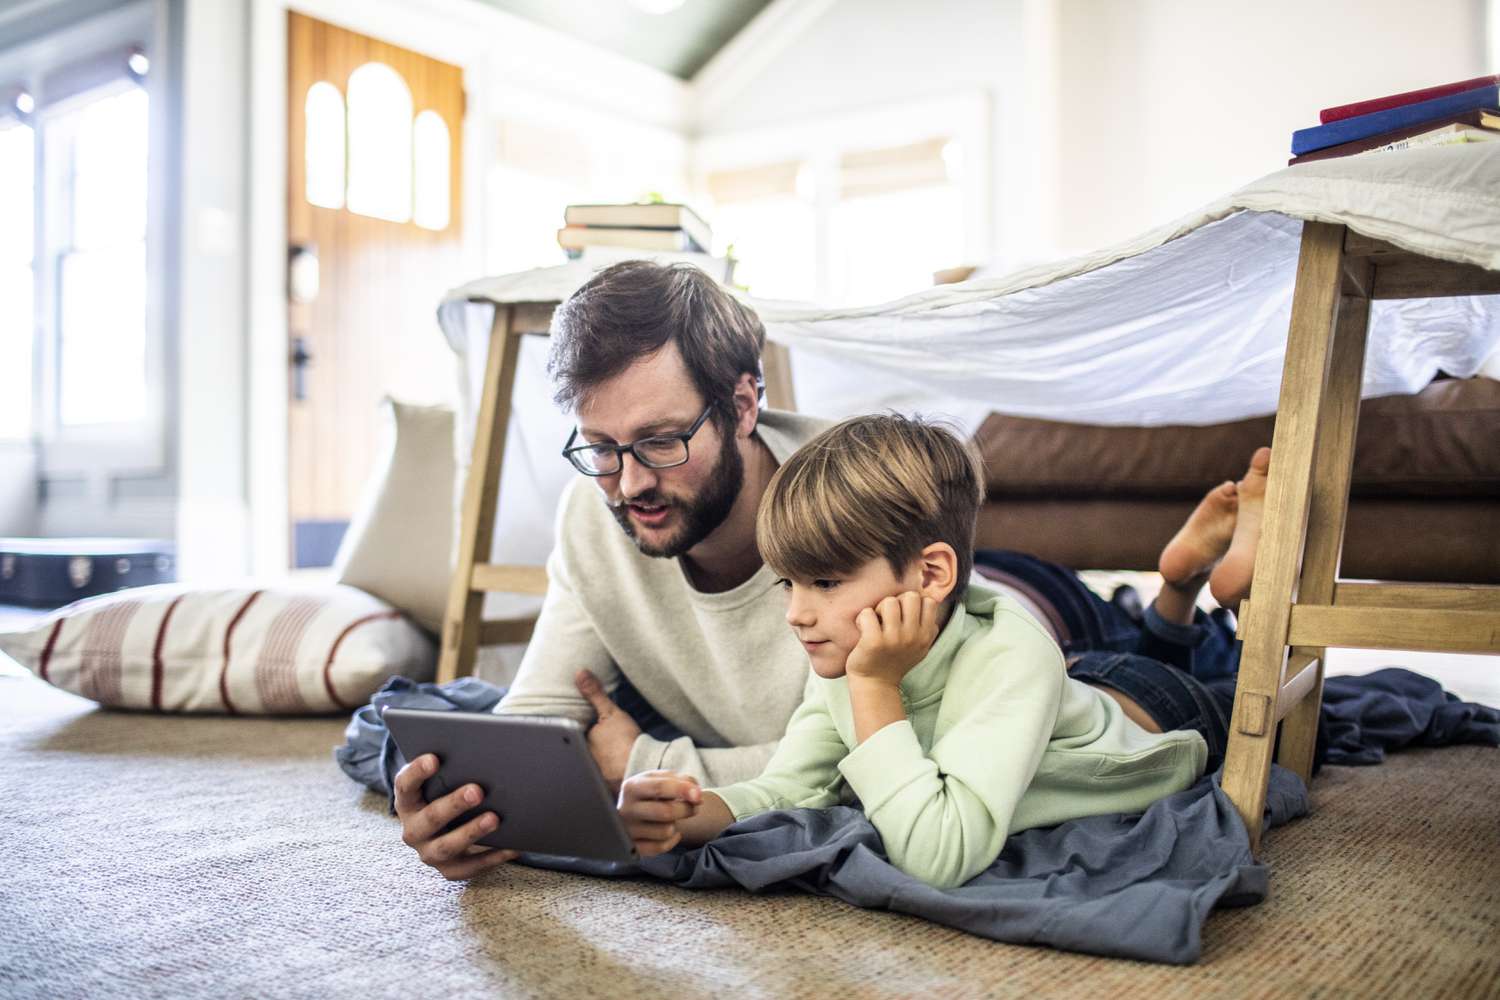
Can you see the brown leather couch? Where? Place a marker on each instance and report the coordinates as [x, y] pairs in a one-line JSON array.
[[1425, 503]]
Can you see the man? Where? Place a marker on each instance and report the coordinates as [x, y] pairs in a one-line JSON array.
[[655, 578]]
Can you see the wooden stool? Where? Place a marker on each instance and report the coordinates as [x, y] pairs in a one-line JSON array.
[[1300, 607], [464, 630]]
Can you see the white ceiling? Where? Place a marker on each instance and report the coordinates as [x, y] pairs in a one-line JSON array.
[[678, 42]]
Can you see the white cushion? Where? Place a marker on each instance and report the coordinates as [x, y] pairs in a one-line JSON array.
[[400, 542], [238, 650]]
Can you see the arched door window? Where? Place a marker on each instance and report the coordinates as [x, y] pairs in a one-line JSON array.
[[324, 146], [380, 143], [432, 173], [374, 158]]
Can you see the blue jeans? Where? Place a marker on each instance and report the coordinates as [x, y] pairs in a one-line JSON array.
[[1182, 675], [1206, 649]]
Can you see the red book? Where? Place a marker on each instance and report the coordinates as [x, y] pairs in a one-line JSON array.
[[1401, 100]]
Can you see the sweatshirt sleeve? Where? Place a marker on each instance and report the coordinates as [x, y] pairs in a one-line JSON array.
[[803, 772], [710, 765], [563, 643], [944, 816]]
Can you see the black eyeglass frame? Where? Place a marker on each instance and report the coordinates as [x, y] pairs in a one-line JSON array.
[[569, 450]]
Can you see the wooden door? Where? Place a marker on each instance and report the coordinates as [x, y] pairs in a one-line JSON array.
[[375, 240]]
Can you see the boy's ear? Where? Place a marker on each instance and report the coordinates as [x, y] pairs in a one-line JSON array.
[[939, 565]]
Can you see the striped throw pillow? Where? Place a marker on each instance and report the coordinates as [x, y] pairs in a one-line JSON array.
[[239, 651]]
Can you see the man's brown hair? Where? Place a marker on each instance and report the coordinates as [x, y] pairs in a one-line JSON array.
[[631, 310], [871, 487]]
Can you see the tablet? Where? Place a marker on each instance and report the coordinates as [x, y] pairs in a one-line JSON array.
[[537, 774]]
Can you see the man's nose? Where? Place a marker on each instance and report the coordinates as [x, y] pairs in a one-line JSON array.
[[635, 478]]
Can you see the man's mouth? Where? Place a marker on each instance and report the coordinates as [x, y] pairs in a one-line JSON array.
[[649, 515]]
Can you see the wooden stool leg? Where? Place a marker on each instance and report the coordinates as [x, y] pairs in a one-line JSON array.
[[1252, 727], [1332, 469], [776, 369], [461, 622]]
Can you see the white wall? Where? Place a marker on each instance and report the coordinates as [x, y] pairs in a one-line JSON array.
[[1165, 104], [1109, 116], [212, 344], [18, 472]]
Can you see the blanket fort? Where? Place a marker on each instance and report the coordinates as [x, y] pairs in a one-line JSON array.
[[1183, 324]]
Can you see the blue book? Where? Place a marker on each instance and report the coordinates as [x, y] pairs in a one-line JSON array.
[[1305, 140]]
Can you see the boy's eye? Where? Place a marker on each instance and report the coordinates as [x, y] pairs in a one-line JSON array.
[[784, 583], [825, 584]]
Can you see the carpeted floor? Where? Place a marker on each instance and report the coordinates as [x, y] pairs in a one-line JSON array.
[[211, 857]]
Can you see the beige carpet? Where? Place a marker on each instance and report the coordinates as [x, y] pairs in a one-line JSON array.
[[208, 857]]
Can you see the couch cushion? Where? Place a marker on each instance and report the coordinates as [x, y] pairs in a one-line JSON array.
[[1453, 540], [1440, 442]]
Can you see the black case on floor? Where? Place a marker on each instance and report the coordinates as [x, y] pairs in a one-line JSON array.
[[51, 572]]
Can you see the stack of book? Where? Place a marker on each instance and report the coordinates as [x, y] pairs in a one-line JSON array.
[[655, 226], [1466, 111]]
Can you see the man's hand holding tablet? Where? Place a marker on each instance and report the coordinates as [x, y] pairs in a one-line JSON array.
[[456, 854]]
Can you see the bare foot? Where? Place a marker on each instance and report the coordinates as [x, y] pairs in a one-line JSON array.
[[1230, 582], [1202, 540]]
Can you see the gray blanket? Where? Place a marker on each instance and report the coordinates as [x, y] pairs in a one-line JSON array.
[[1126, 886]]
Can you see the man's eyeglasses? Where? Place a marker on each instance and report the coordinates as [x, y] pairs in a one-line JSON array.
[[660, 451]]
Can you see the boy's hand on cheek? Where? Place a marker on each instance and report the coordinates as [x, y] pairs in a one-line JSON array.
[[894, 635]]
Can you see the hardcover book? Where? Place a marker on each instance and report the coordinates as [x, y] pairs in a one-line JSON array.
[[1485, 118], [1448, 135], [1399, 100], [646, 215], [1307, 140], [578, 237]]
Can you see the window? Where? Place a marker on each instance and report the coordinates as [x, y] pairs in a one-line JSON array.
[[378, 161], [899, 218], [854, 208], [380, 144], [17, 229], [765, 214], [96, 148], [83, 359], [324, 145], [861, 227], [430, 136]]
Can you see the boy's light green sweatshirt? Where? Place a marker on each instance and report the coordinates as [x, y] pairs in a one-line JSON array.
[[998, 739]]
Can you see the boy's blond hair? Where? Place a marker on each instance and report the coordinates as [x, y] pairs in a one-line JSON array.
[[871, 487]]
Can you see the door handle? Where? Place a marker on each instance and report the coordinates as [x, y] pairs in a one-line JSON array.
[[301, 357]]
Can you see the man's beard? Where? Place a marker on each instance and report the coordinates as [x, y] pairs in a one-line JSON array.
[[699, 515]]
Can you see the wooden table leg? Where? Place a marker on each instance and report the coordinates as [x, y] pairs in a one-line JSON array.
[[1252, 728], [1333, 467], [461, 621]]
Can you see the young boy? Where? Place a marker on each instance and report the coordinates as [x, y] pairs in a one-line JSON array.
[[942, 707]]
